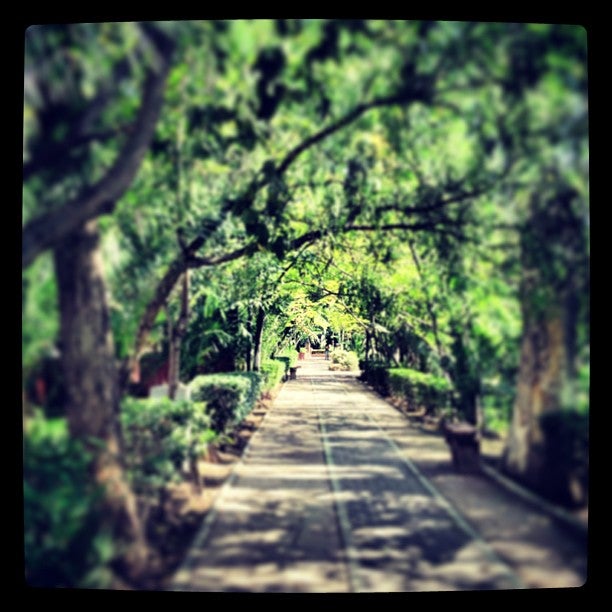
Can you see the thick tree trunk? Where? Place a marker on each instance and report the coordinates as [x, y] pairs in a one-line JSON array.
[[257, 338], [464, 373], [554, 273], [368, 345], [540, 384], [91, 380]]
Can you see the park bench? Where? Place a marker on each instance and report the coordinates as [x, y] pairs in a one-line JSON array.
[[464, 442]]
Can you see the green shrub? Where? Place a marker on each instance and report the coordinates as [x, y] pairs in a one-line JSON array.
[[64, 544], [287, 363], [273, 372], [344, 360], [160, 436], [288, 353], [376, 374], [229, 397], [419, 389]]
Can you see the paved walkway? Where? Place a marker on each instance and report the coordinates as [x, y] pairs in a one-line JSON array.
[[337, 494]]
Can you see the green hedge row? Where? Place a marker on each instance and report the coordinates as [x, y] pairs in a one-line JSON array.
[[419, 389], [64, 545], [273, 372], [376, 374], [229, 397], [64, 542], [161, 437], [344, 360]]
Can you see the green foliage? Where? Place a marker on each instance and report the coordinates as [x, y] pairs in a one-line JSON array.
[[229, 397], [273, 371], [566, 441], [290, 356], [420, 390], [65, 545], [39, 312], [344, 360], [460, 182], [160, 436], [376, 374], [287, 363]]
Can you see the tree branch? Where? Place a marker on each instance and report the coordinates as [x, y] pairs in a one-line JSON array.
[[442, 203], [403, 226], [188, 259], [202, 262], [54, 152], [49, 229], [338, 125]]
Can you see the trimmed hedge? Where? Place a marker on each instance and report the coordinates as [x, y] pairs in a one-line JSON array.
[[419, 389], [273, 372], [64, 543], [376, 374], [287, 363], [289, 356], [229, 397], [346, 361], [161, 435]]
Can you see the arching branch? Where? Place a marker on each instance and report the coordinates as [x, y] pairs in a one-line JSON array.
[[51, 228]]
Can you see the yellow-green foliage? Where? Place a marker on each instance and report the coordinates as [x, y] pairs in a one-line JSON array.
[[344, 360], [273, 372], [419, 389]]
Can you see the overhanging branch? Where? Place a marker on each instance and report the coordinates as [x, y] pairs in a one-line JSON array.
[[49, 229], [336, 126]]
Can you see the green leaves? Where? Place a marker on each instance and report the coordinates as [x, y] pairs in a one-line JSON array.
[[161, 435], [420, 390], [63, 538], [229, 397], [482, 111]]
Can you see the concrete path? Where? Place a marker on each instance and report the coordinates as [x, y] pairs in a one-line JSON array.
[[337, 494]]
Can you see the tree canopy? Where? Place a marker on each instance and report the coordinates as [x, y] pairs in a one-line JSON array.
[[414, 191]]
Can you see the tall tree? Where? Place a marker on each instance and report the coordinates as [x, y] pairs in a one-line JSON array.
[[554, 267], [70, 229]]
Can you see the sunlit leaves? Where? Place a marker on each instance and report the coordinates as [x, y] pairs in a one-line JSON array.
[[40, 322], [457, 158]]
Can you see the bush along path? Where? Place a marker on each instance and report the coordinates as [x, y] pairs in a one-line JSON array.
[[224, 412], [337, 494], [179, 454]]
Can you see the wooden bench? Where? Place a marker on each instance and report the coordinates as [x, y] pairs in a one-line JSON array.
[[464, 442]]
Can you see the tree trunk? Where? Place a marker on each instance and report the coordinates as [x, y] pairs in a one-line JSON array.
[[172, 357], [91, 379], [540, 382], [175, 339], [430, 309], [257, 338], [464, 373], [553, 256]]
